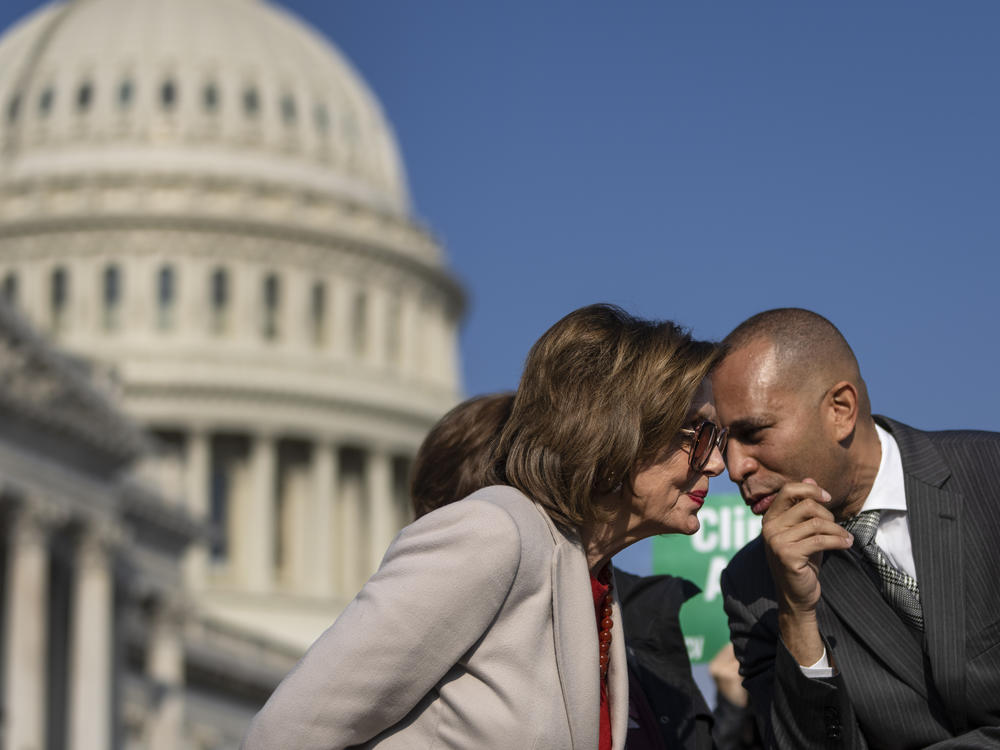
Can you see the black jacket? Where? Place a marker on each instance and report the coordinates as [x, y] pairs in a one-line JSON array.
[[658, 658]]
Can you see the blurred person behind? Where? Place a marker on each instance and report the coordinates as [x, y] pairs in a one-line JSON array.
[[666, 707], [454, 459], [735, 727]]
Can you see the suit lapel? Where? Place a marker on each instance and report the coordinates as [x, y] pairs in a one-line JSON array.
[[934, 516], [576, 641], [858, 604]]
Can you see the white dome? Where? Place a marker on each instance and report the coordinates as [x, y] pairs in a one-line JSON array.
[[191, 88], [203, 201]]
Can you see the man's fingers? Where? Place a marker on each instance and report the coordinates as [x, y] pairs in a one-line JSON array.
[[794, 493], [809, 527], [821, 543], [795, 514], [794, 557]]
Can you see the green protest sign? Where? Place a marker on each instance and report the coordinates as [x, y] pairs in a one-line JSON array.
[[726, 525]]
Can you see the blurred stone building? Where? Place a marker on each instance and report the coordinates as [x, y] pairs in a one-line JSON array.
[[223, 335]]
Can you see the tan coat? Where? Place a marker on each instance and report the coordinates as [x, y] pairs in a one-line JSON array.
[[477, 631]]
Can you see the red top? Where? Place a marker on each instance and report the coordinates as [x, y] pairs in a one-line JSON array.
[[599, 586]]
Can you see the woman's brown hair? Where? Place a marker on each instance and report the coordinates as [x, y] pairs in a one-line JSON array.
[[602, 393], [454, 459]]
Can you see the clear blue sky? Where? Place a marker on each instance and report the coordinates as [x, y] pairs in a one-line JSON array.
[[702, 162]]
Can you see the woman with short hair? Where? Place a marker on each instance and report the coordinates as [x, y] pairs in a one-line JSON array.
[[454, 459], [491, 622]]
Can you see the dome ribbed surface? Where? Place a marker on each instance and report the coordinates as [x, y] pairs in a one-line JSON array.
[[217, 88]]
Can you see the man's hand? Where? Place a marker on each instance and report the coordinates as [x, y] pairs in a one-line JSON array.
[[797, 530]]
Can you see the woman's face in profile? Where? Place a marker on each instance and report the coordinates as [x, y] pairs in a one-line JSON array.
[[668, 492]]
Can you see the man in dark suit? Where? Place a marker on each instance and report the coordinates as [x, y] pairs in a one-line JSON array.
[[867, 614]]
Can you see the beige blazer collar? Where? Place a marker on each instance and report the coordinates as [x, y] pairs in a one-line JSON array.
[[577, 649]]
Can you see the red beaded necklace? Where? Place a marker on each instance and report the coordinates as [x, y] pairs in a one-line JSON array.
[[604, 633]]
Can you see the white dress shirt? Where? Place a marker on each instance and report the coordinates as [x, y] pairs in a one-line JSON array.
[[893, 534]]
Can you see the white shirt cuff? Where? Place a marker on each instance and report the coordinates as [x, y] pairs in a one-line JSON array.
[[821, 668]]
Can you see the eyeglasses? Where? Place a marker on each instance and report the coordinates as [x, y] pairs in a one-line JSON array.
[[703, 438]]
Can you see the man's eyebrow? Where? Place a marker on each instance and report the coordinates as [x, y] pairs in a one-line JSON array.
[[746, 424]]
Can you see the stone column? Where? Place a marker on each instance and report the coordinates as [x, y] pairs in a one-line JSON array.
[[138, 296], [26, 636], [322, 518], [245, 301], [341, 297], [296, 525], [238, 545], [33, 294], [197, 480], [382, 515], [193, 295], [394, 331], [90, 659], [351, 535], [79, 314], [378, 326], [165, 667], [451, 373], [258, 516], [409, 334], [432, 354], [329, 307], [401, 489], [296, 303]]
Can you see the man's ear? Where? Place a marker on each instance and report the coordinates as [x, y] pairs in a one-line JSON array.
[[841, 406]]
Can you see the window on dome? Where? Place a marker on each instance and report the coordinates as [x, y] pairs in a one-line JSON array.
[[168, 94], [317, 313], [288, 111], [165, 294], [58, 298], [45, 101], [210, 97], [126, 92], [84, 96], [272, 294], [220, 301], [251, 102], [359, 323], [112, 297], [9, 289], [13, 107]]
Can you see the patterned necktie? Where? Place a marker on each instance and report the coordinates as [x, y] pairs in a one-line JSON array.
[[898, 587]]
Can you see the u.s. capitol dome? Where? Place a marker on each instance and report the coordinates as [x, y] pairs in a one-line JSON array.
[[205, 201]]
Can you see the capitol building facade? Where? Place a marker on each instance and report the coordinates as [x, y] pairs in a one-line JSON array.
[[223, 335]]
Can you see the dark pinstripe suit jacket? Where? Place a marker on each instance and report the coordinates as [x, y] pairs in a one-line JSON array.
[[893, 690]]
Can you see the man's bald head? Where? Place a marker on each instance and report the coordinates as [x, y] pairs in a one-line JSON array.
[[806, 349]]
